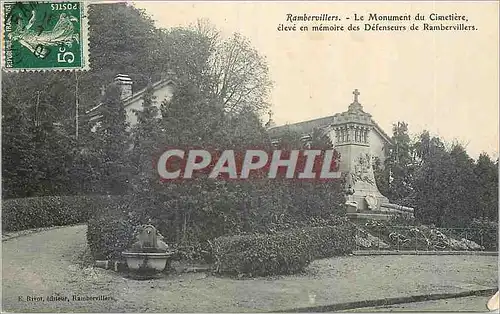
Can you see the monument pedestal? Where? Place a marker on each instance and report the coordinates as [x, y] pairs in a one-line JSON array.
[[369, 216]]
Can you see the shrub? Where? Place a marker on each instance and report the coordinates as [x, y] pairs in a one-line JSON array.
[[261, 255], [285, 252], [108, 238], [485, 233], [112, 229], [195, 252], [38, 212], [332, 241]]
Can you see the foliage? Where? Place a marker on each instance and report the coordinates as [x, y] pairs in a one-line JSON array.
[[146, 136], [261, 255], [485, 232], [285, 252], [486, 172], [108, 237], [444, 185], [200, 209], [395, 176], [221, 87], [111, 227], [237, 75], [41, 153], [112, 144], [37, 212]]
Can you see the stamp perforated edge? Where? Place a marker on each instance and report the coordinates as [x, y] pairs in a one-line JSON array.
[[84, 28]]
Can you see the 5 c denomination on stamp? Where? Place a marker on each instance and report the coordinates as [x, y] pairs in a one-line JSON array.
[[44, 36]]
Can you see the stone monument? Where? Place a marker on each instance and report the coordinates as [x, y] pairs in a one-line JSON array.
[[352, 129]]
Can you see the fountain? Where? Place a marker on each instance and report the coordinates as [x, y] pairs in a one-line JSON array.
[[149, 255]]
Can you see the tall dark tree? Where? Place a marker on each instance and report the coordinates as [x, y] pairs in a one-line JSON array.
[[123, 39], [486, 172], [145, 137], [432, 180], [462, 191], [397, 171], [191, 118], [114, 143]]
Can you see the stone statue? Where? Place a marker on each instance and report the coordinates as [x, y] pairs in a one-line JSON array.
[[349, 183], [371, 202]]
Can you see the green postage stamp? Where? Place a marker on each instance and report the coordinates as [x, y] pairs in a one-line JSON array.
[[41, 36]]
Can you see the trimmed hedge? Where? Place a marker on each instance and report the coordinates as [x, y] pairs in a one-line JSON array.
[[285, 252], [39, 212]]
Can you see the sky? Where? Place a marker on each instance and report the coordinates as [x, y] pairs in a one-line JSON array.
[[446, 82]]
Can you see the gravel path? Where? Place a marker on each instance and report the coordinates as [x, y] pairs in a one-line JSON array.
[[468, 304], [47, 264]]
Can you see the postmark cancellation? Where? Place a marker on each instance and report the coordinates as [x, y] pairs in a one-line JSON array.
[[44, 36]]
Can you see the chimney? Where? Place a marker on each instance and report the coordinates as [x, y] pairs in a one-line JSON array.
[[124, 82]]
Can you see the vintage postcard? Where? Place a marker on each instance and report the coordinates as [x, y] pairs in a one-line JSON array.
[[249, 156]]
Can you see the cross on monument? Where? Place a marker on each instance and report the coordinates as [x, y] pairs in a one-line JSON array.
[[356, 94]]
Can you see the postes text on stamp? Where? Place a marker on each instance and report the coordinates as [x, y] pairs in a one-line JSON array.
[[44, 36]]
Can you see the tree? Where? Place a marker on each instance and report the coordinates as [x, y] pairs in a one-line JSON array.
[[113, 143], [462, 194], [120, 36], [245, 130], [289, 140], [398, 168], [145, 136], [123, 39], [33, 156], [188, 119], [240, 75], [382, 176], [235, 73], [309, 198], [186, 53], [36, 151], [486, 172], [432, 180]]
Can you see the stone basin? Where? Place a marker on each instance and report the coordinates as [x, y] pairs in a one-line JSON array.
[[138, 261]]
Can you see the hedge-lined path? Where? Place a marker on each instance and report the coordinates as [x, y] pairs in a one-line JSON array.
[[46, 263]]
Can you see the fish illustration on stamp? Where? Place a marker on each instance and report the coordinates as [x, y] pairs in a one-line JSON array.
[[44, 36]]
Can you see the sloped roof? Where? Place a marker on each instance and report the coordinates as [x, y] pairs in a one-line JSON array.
[[307, 127], [304, 127], [382, 133], [136, 96]]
